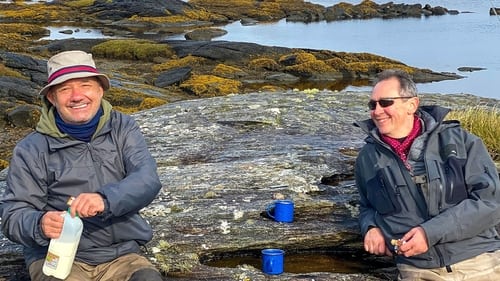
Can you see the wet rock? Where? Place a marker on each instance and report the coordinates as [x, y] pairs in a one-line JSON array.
[[470, 68], [391, 10], [282, 77], [438, 10], [66, 31], [305, 15], [422, 76], [248, 21], [205, 34]]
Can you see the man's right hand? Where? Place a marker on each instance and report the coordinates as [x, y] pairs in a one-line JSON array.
[[375, 243], [52, 224]]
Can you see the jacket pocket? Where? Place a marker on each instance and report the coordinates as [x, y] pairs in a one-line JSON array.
[[455, 190], [383, 193]]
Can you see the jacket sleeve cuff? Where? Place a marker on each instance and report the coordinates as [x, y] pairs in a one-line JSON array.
[[40, 237], [106, 214]]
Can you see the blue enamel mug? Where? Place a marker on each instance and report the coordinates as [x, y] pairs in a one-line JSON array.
[[272, 261], [281, 210]]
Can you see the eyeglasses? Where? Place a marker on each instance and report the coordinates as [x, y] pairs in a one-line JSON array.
[[384, 102]]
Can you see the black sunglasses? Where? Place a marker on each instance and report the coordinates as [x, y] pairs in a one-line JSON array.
[[384, 102]]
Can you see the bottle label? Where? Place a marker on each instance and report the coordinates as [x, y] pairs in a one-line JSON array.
[[51, 260]]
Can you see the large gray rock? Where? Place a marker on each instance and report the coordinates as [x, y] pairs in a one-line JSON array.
[[223, 160]]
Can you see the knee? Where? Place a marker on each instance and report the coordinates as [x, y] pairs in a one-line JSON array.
[[146, 274]]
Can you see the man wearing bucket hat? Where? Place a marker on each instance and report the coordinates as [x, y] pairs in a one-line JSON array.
[[82, 148]]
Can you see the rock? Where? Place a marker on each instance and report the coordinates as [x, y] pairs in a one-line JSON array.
[[120, 9], [23, 62], [173, 76], [66, 31], [305, 16], [24, 116], [282, 77], [32, 68], [248, 21], [205, 34], [470, 68], [494, 11], [369, 9], [423, 76], [222, 50], [223, 160], [439, 11], [18, 89]]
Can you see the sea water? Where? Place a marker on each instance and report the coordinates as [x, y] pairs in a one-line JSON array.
[[440, 43]]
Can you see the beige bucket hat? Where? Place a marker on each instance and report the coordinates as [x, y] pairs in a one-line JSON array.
[[69, 65]]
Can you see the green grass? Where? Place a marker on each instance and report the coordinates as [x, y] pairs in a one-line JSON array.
[[483, 122]]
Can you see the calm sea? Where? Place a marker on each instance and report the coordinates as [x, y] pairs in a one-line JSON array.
[[440, 43]]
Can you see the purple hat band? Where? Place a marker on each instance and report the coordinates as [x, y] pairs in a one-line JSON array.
[[71, 69]]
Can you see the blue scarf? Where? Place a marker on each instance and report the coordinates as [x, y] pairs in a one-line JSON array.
[[82, 132]]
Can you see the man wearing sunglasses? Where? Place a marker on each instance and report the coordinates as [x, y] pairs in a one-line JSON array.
[[429, 190]]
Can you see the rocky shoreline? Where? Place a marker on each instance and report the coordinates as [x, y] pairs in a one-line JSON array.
[[148, 73]]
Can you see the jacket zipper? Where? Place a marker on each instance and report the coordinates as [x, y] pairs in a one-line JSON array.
[[100, 179]]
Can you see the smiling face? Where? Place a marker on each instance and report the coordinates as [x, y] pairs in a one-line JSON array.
[[395, 120], [77, 100]]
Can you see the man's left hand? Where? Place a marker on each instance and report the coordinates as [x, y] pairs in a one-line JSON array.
[[414, 242], [87, 205]]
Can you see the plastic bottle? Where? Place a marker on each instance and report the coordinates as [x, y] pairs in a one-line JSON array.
[[62, 250]]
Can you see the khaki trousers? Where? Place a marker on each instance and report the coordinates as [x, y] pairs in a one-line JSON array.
[[485, 267], [119, 269]]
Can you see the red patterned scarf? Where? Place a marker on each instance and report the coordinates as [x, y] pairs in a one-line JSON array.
[[403, 147]]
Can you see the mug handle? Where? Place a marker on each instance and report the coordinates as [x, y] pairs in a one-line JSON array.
[[268, 210]]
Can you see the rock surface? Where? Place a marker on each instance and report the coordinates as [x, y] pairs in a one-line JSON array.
[[223, 160]]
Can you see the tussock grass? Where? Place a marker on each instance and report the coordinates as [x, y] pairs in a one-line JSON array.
[[483, 122]]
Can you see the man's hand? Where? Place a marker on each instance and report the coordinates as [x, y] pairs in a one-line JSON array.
[[374, 242], [87, 205], [52, 224], [415, 242]]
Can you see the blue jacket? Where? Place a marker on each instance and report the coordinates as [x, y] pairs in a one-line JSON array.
[[456, 199], [48, 167]]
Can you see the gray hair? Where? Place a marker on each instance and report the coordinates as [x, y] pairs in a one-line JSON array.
[[408, 87]]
